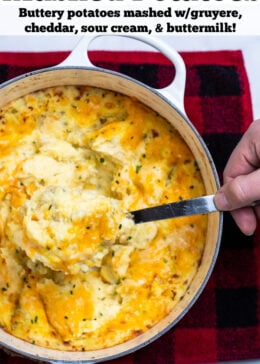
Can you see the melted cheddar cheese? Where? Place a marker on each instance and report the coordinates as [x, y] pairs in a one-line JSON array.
[[76, 272]]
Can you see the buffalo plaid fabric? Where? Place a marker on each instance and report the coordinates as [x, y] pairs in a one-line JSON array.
[[223, 324]]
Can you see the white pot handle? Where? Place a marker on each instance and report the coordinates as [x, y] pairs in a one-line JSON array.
[[175, 91], [79, 55]]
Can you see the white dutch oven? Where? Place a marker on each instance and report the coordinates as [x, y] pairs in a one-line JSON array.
[[169, 103]]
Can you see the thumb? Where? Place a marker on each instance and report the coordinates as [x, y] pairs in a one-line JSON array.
[[239, 192]]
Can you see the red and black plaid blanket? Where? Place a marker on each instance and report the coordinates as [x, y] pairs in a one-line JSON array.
[[224, 324]]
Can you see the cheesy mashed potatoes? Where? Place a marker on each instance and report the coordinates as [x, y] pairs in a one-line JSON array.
[[76, 272]]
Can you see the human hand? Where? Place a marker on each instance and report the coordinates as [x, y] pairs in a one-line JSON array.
[[241, 181]]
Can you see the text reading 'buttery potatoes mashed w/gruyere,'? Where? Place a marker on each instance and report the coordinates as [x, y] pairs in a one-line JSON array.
[[76, 272]]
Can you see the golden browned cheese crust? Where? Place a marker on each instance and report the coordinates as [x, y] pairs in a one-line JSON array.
[[76, 272]]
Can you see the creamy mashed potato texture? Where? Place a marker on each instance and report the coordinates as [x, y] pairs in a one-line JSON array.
[[76, 273]]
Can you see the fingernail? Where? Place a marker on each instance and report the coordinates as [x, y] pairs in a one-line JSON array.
[[221, 201]]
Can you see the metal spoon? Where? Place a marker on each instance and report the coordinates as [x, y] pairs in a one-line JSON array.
[[194, 206]]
